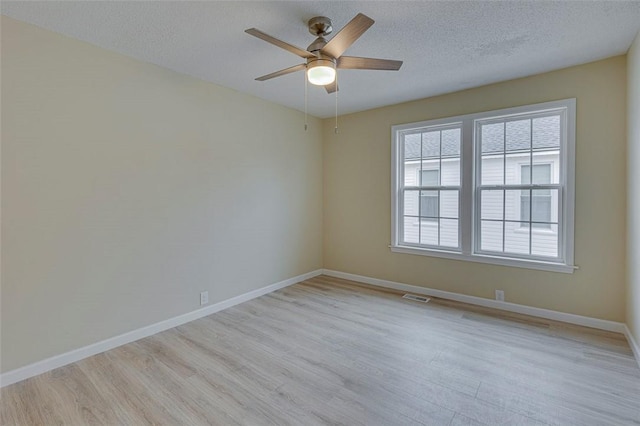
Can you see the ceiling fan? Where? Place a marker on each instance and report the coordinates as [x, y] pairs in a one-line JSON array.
[[323, 57]]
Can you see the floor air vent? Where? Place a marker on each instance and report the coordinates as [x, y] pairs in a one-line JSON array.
[[416, 298]]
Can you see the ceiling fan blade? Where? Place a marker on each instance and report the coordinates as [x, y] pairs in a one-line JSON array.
[[332, 87], [356, 63], [282, 44], [282, 72], [347, 35]]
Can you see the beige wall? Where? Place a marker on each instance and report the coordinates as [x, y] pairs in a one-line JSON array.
[[633, 190], [127, 189], [357, 206]]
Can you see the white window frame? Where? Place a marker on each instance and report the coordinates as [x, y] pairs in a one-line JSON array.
[[436, 248], [468, 227]]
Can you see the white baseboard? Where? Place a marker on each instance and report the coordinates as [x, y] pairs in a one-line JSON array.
[[75, 355], [632, 342], [601, 324]]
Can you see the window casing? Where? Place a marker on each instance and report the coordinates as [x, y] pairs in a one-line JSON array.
[[502, 183]]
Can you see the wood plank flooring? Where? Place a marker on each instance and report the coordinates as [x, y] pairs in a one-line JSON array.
[[329, 351]]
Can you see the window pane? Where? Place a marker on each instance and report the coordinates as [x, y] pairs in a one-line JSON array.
[[543, 171], [450, 172], [491, 204], [492, 170], [492, 136], [525, 174], [492, 167], [429, 204], [546, 132], [552, 158], [542, 205], [516, 238], [412, 146], [541, 174], [449, 232], [429, 232], [555, 206], [451, 157], [545, 242], [541, 208], [411, 173], [490, 236], [411, 203], [410, 230], [513, 204], [449, 203], [515, 168], [525, 205], [518, 135], [431, 144], [430, 177], [451, 142], [411, 158]]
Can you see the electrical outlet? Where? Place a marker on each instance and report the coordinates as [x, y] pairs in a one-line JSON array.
[[204, 297], [500, 295]]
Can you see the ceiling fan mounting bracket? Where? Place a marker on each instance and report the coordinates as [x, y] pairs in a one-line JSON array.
[[320, 26]]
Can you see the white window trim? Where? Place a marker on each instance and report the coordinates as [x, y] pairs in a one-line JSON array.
[[467, 191]]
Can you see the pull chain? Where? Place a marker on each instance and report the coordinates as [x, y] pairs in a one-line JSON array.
[[305, 102], [336, 128]]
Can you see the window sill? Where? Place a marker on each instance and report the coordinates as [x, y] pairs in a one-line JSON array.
[[483, 258]]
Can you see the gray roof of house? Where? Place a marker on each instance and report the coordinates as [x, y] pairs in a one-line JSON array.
[[545, 135]]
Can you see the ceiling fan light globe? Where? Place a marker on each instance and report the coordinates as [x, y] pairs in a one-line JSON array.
[[321, 75]]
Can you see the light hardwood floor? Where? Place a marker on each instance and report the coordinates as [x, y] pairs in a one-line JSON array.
[[328, 351]]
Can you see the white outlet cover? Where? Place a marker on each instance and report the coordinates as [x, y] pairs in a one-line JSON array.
[[204, 297], [500, 295]]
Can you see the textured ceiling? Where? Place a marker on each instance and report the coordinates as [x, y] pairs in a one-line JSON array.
[[446, 46]]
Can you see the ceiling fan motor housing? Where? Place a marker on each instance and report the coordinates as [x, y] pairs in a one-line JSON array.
[[322, 61], [317, 44]]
